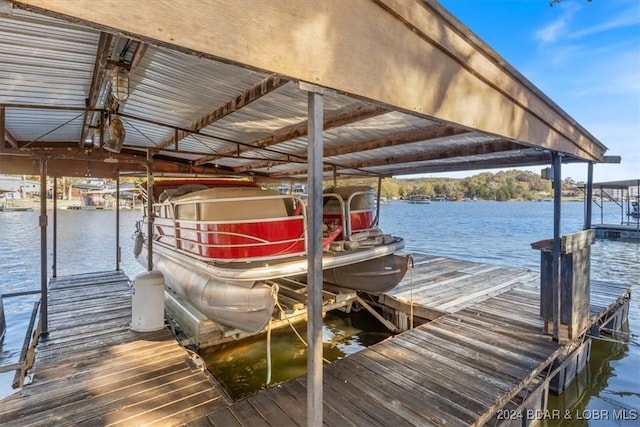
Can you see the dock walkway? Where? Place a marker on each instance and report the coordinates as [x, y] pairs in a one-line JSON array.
[[93, 370], [483, 352]]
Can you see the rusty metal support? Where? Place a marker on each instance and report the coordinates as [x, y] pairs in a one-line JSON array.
[[149, 210], [44, 321], [314, 266], [589, 195], [118, 259], [556, 265], [3, 142], [54, 262]]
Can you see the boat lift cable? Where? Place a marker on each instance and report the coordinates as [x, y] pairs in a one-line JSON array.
[[616, 341], [274, 294], [282, 310], [613, 331]]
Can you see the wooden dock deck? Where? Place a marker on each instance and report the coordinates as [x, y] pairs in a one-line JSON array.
[[485, 350], [437, 286], [93, 370]]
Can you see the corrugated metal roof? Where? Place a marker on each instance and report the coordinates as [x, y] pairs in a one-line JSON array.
[[221, 115]]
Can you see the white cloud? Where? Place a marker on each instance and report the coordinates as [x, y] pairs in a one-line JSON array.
[[627, 18], [559, 27], [551, 32]]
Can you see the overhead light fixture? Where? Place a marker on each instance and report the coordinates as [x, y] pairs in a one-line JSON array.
[[120, 83], [116, 135]]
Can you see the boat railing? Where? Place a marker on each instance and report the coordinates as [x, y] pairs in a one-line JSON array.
[[350, 213], [266, 229]]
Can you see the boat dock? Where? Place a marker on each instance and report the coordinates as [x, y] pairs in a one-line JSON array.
[[94, 370], [625, 232], [482, 358], [625, 196]]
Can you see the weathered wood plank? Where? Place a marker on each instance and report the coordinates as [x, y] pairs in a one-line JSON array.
[[270, 412], [456, 370], [93, 370], [379, 390], [246, 414], [296, 410], [224, 418], [437, 409]]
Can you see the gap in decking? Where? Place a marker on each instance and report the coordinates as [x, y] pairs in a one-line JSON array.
[[241, 366]]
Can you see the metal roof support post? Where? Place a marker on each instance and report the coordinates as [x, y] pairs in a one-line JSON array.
[[3, 143], [54, 266], [377, 220], [149, 165], [589, 196], [601, 205], [638, 204], [118, 222], [557, 195], [44, 322], [622, 206], [314, 266]]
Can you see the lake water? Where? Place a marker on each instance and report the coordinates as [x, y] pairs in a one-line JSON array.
[[490, 232]]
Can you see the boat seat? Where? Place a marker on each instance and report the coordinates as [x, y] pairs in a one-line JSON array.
[[205, 208]]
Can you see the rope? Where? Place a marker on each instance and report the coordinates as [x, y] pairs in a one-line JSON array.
[[294, 329], [269, 353], [613, 331], [615, 341], [274, 294]]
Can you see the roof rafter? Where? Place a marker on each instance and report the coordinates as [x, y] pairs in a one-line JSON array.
[[254, 93], [543, 158], [98, 81], [10, 139], [425, 134], [338, 118], [438, 154]]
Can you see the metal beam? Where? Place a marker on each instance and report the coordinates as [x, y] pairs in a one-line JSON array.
[[444, 71], [54, 261], [346, 147], [98, 80], [426, 156], [75, 164], [557, 240], [460, 165], [336, 119], [44, 298], [589, 198], [150, 215], [118, 223], [3, 145], [256, 92], [314, 264]]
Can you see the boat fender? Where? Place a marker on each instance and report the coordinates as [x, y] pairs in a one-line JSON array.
[[137, 244], [337, 246], [351, 246], [331, 237]]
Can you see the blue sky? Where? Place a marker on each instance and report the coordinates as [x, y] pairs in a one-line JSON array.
[[584, 55]]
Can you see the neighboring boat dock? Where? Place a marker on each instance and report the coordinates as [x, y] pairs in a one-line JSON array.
[[625, 195], [487, 330]]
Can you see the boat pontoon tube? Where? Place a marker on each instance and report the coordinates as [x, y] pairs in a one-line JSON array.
[[247, 308]]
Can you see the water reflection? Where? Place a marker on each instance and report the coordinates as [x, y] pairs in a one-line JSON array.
[[241, 367]]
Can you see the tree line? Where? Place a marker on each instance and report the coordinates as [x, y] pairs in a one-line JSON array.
[[500, 186]]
